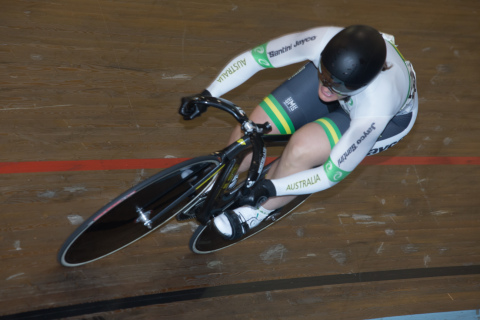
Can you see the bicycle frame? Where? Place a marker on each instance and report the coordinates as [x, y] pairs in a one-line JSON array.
[[219, 198], [254, 140]]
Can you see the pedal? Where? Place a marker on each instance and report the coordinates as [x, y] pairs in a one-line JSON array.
[[274, 215]]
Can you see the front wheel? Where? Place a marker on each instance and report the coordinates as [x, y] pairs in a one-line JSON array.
[[119, 223], [207, 240]]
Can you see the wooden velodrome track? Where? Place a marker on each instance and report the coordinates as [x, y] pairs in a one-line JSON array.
[[101, 80]]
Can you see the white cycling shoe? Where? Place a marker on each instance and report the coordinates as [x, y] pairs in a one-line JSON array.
[[233, 224]]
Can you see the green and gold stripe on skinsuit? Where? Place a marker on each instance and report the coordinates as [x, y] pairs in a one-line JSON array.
[[279, 117], [331, 130], [409, 78]]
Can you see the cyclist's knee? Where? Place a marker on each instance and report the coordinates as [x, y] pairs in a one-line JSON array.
[[308, 147], [258, 114], [297, 152]]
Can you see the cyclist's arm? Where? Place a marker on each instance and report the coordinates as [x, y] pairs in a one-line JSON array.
[[286, 50], [350, 150]]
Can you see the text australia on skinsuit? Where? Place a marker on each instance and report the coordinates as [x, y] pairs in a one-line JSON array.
[[304, 183], [232, 69]]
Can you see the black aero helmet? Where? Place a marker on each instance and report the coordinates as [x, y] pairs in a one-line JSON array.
[[352, 59]]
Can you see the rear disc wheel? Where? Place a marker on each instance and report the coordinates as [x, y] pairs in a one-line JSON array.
[[207, 240]]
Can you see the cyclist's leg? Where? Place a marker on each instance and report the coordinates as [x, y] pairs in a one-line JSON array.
[[289, 107], [309, 147]]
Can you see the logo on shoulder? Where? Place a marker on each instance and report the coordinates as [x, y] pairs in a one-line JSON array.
[[264, 62], [259, 49], [302, 42], [380, 149], [366, 133], [278, 52], [337, 176], [349, 151], [334, 173], [329, 166]]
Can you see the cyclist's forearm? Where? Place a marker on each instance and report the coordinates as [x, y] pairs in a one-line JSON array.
[[279, 52], [305, 182], [236, 72]]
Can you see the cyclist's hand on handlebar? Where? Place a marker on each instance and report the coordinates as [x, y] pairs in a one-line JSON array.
[[189, 109]]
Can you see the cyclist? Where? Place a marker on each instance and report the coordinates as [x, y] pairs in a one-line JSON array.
[[356, 97]]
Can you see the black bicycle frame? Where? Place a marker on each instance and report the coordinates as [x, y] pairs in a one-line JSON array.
[[254, 140], [219, 197]]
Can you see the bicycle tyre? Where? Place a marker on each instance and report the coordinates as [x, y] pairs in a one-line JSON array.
[[206, 239], [114, 226]]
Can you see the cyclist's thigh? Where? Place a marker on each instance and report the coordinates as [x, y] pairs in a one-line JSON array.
[[308, 147], [295, 102], [335, 124], [260, 116], [311, 144]]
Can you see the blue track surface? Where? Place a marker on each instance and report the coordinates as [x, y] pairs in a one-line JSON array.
[[454, 315]]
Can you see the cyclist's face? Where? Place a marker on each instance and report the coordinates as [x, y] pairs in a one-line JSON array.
[[326, 94], [324, 91]]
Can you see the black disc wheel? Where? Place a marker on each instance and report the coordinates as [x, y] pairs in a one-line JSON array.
[[120, 222], [207, 240]]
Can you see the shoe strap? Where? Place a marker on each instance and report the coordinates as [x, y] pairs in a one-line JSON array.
[[239, 227]]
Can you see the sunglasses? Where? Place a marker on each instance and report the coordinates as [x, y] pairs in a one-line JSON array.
[[328, 83], [334, 84]]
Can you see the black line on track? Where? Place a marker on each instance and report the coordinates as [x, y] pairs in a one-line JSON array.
[[242, 288]]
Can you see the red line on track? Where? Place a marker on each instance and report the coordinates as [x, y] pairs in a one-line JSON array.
[[93, 165]]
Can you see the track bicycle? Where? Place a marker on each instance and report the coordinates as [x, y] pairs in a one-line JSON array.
[[197, 188]]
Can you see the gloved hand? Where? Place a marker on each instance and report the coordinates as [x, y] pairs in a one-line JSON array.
[[189, 109]]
